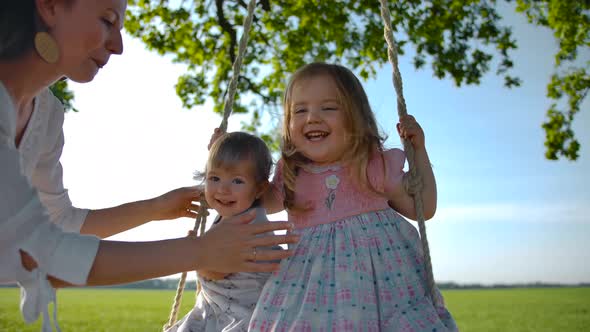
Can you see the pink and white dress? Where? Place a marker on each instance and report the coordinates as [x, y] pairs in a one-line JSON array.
[[358, 265]]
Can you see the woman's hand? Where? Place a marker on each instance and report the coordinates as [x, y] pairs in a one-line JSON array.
[[208, 274], [409, 129], [181, 202], [230, 246]]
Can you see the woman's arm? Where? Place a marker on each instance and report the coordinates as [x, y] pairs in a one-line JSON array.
[[174, 204], [77, 259], [227, 248]]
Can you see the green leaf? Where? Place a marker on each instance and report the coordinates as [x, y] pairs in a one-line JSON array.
[[65, 95]]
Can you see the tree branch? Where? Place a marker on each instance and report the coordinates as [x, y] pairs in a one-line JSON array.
[[242, 3], [227, 27], [262, 36], [253, 87]]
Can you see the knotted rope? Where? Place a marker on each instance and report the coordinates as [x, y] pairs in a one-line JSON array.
[[201, 220], [413, 182], [198, 230]]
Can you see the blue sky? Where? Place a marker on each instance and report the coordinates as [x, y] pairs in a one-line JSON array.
[[505, 214]]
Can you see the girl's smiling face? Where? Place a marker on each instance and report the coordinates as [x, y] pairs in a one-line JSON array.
[[317, 125], [231, 189]]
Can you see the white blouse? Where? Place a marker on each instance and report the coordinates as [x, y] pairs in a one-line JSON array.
[[31, 195], [40, 149]]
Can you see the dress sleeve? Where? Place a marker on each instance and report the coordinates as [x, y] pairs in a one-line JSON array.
[[48, 174], [394, 169], [25, 225]]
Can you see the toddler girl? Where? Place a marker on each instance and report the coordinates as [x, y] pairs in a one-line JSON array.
[[358, 265], [235, 177]]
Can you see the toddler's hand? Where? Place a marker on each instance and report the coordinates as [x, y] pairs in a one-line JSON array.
[[409, 129], [216, 134]]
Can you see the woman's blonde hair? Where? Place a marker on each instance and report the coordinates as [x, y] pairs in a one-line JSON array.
[[363, 134]]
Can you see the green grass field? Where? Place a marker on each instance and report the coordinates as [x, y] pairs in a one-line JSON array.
[[542, 309]]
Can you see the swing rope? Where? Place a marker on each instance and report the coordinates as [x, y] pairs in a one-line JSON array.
[[413, 182], [201, 220], [198, 230], [237, 65]]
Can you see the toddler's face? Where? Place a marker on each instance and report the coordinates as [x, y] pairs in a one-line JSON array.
[[317, 123], [231, 190]]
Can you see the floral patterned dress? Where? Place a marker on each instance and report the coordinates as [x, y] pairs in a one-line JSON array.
[[358, 265]]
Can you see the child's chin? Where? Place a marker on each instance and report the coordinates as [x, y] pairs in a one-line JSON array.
[[226, 213]]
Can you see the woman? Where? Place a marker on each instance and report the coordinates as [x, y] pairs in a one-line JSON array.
[[40, 42]]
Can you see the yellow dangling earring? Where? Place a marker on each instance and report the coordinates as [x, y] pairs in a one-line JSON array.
[[46, 47]]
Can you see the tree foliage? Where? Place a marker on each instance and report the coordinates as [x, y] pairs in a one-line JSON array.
[[460, 39], [570, 22], [290, 33], [65, 95]]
